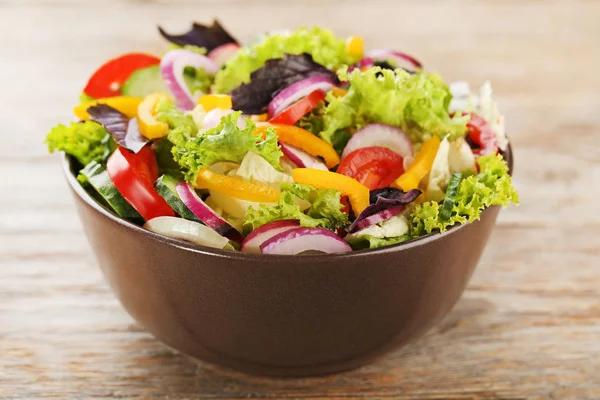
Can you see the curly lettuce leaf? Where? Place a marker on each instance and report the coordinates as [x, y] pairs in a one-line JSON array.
[[198, 79], [181, 124], [417, 103], [226, 142], [86, 141], [492, 186], [324, 47], [325, 208]]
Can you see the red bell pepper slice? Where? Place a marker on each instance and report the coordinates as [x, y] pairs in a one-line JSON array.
[[299, 109], [108, 79], [134, 175]]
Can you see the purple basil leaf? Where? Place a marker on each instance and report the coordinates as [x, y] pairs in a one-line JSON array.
[[275, 75], [383, 203], [124, 131], [209, 37], [386, 193]]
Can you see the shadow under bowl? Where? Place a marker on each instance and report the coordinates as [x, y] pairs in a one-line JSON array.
[[282, 315]]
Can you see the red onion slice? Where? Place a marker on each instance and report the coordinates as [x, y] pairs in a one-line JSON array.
[[206, 214], [381, 135], [298, 240], [222, 53], [265, 232], [190, 231], [172, 66], [376, 218], [301, 158], [378, 212], [296, 91], [398, 57]]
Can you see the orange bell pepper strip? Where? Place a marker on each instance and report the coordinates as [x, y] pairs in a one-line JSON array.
[[150, 128], [237, 188], [303, 139], [357, 193], [212, 101], [126, 104], [419, 167]]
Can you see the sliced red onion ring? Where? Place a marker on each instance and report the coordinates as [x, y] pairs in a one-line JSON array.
[[376, 218], [380, 135], [298, 240], [206, 214], [191, 231], [375, 214], [365, 62], [296, 91], [222, 53], [301, 158], [172, 66], [400, 58], [265, 232]]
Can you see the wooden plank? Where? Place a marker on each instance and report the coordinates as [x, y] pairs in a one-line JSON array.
[[529, 323]]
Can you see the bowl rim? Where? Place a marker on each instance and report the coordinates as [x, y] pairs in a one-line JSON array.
[[241, 256]]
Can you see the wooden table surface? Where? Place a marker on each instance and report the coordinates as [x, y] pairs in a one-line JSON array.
[[528, 326]]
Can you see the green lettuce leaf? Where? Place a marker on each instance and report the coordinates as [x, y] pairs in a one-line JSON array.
[[198, 79], [86, 141], [226, 142], [372, 242], [181, 124], [492, 186], [416, 103], [325, 210], [324, 47]]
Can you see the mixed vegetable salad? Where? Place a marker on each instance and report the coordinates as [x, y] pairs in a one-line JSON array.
[[297, 142]]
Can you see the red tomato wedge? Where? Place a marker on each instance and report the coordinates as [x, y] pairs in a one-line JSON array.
[[481, 133], [375, 167], [299, 109], [134, 175], [108, 79]]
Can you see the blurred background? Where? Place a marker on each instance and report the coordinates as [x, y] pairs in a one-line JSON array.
[[529, 322]]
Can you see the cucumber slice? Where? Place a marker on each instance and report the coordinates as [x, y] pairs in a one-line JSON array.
[[95, 174], [143, 82], [450, 199], [165, 186]]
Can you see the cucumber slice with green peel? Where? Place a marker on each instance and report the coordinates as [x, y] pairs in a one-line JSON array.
[[145, 81], [97, 177], [165, 186], [450, 199]]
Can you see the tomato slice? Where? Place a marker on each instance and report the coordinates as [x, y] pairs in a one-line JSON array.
[[481, 133], [299, 109], [108, 79], [375, 167], [134, 175]]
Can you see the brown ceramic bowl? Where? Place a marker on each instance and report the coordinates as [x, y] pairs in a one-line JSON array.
[[282, 315]]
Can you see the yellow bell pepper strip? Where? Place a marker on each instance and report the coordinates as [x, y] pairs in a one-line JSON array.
[[259, 117], [212, 101], [150, 128], [303, 139], [126, 104], [338, 92], [419, 167], [357, 193], [355, 45], [234, 187]]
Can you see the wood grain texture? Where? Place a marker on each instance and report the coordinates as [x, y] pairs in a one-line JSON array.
[[528, 325]]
